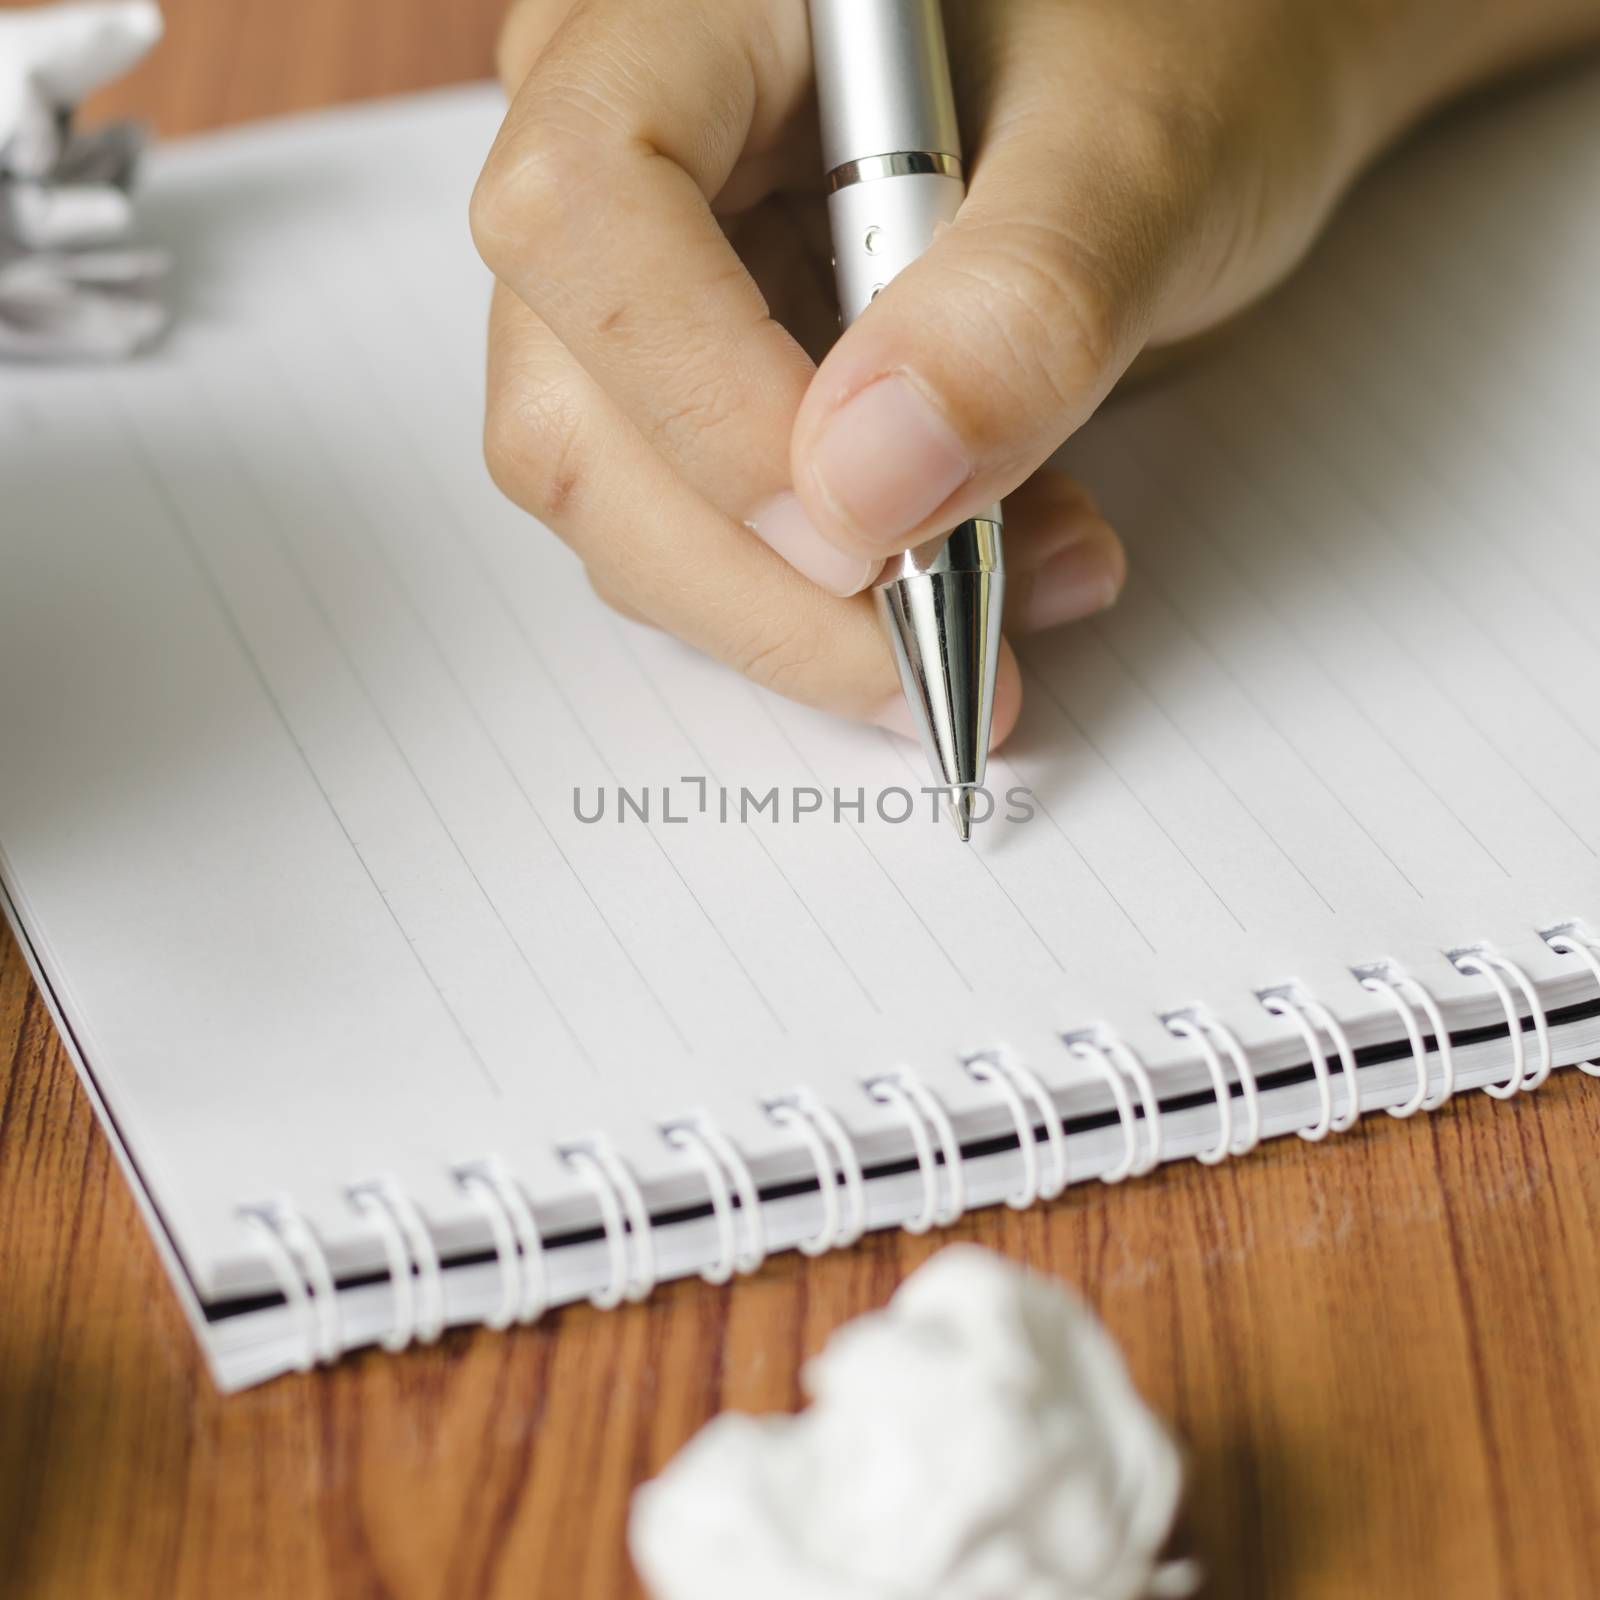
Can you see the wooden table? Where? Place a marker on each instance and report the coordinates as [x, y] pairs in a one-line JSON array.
[[1381, 1352]]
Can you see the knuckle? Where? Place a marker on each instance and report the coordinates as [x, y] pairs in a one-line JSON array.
[[1060, 325], [532, 446], [1167, 138], [488, 211], [1089, 325], [532, 181], [1161, 155], [1066, 296], [609, 595]]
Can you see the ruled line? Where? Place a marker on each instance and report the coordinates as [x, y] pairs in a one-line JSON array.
[[1138, 799], [180, 526]]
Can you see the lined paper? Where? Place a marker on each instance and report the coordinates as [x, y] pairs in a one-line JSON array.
[[294, 706]]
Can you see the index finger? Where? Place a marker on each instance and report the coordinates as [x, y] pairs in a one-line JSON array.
[[595, 210]]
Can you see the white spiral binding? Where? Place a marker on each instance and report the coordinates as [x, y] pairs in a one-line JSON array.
[[415, 1274], [518, 1245], [623, 1215], [834, 1153], [1566, 942], [1307, 1014], [1117, 1064], [1330, 1024], [927, 1119], [301, 1269], [1198, 1029], [1494, 969], [300, 1266], [1017, 1084], [719, 1160], [1393, 986]]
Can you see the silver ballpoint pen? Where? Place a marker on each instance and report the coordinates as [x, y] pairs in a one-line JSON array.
[[892, 154]]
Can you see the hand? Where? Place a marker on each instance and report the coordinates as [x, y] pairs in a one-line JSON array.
[[653, 211]]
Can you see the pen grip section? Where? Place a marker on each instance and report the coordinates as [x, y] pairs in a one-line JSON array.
[[880, 226]]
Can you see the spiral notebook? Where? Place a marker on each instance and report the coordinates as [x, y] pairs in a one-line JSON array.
[[438, 947]]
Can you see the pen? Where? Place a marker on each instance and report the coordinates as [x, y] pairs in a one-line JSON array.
[[892, 154]]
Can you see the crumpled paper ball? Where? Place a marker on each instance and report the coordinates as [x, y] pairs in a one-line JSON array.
[[979, 1439], [65, 194]]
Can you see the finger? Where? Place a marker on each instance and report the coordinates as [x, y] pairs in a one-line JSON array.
[[525, 34], [603, 589], [560, 449], [595, 207], [977, 361], [1064, 561]]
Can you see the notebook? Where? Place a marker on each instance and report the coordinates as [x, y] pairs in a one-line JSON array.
[[438, 947]]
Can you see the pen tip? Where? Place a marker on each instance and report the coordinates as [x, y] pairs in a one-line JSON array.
[[961, 814]]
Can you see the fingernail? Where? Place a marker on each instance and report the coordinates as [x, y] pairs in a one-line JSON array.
[[1084, 578], [887, 460], [782, 525]]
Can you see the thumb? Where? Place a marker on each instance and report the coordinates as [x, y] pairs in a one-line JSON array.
[[978, 360]]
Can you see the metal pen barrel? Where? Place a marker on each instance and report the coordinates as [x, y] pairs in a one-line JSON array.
[[892, 152]]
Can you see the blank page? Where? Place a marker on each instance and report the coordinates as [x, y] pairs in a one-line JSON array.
[[300, 720]]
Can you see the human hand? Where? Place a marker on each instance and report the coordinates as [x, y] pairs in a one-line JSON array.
[[654, 213]]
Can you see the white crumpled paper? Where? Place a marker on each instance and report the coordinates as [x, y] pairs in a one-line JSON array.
[[63, 194], [979, 1439]]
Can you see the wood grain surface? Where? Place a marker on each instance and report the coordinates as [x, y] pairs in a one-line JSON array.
[[1379, 1352]]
